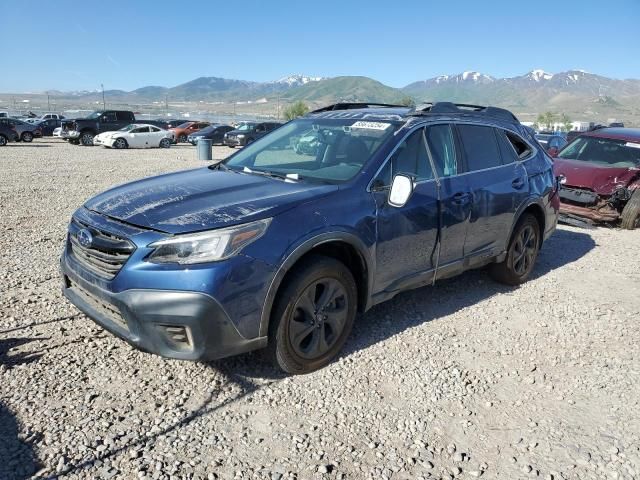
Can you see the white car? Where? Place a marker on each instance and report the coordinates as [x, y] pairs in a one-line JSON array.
[[57, 132], [136, 135]]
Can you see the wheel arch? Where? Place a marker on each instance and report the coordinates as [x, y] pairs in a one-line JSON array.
[[533, 207], [343, 246]]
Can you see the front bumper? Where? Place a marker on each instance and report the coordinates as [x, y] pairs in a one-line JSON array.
[[233, 141], [172, 323], [70, 134]]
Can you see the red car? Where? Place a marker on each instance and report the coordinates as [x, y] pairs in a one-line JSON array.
[[602, 177]]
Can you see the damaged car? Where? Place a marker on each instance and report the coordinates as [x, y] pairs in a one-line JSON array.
[[601, 182], [276, 249]]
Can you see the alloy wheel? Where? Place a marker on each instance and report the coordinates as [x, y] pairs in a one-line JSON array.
[[318, 318], [524, 250]]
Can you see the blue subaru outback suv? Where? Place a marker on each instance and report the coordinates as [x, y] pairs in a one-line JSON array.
[[279, 247]]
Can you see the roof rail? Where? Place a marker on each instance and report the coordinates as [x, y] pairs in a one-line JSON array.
[[464, 108], [351, 106]]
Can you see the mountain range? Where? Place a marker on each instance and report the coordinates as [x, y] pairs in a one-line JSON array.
[[575, 91]]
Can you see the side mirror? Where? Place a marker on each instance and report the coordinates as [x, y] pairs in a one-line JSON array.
[[401, 190], [553, 152], [560, 180]]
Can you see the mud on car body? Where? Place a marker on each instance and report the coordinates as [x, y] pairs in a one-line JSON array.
[[278, 249], [602, 177]]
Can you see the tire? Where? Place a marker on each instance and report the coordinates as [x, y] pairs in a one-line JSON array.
[[313, 315], [182, 138], [3, 140], [74, 141], [27, 137], [630, 218], [86, 139], [521, 254], [165, 143], [231, 146], [120, 143]]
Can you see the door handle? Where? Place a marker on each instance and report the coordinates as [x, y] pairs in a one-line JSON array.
[[518, 183], [461, 198]]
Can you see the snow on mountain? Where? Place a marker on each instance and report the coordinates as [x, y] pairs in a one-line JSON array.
[[471, 76], [297, 80], [538, 75]]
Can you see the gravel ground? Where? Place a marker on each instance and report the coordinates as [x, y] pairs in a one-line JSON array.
[[466, 379]]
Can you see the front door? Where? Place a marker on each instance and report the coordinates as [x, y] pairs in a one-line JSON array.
[[407, 236]]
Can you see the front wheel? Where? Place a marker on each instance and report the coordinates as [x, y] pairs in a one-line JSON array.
[[521, 254], [313, 315], [630, 218], [27, 137], [86, 139], [120, 143], [165, 143], [3, 140]]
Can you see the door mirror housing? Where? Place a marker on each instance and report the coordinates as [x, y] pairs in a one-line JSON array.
[[401, 190]]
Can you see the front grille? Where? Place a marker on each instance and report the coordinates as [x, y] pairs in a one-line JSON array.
[[106, 254], [102, 307]]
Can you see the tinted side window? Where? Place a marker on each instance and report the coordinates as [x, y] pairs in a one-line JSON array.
[[442, 146], [520, 146], [109, 117], [410, 158], [480, 147], [509, 154]]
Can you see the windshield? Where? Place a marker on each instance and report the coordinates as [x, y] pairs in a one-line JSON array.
[[184, 125], [127, 128], [603, 152], [331, 150], [245, 127], [94, 115]]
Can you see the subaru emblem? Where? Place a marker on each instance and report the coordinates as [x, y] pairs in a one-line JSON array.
[[84, 238]]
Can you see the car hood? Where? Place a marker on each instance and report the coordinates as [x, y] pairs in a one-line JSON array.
[[602, 180], [202, 199]]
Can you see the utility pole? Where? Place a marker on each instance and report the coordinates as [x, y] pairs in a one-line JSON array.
[[166, 103], [278, 108], [48, 103], [104, 104]]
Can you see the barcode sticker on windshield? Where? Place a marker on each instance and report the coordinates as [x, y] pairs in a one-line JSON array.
[[632, 145], [371, 125]]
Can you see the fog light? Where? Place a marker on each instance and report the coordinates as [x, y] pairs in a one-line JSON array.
[[178, 336]]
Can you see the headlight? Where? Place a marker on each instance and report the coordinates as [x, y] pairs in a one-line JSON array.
[[208, 246], [240, 136]]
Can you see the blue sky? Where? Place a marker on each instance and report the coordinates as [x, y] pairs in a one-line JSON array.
[[68, 45]]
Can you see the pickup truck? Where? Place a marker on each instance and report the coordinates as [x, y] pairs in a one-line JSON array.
[[80, 131]]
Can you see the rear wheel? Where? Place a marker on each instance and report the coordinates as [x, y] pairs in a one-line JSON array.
[[521, 254], [630, 218], [3, 140], [27, 137], [86, 139], [313, 315], [182, 138], [120, 143], [165, 143]]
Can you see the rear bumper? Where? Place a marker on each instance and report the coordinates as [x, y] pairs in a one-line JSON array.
[[175, 324]]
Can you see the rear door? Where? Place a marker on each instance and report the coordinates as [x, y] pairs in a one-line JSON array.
[[496, 185]]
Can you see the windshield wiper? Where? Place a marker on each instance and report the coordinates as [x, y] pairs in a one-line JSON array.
[[294, 177]]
